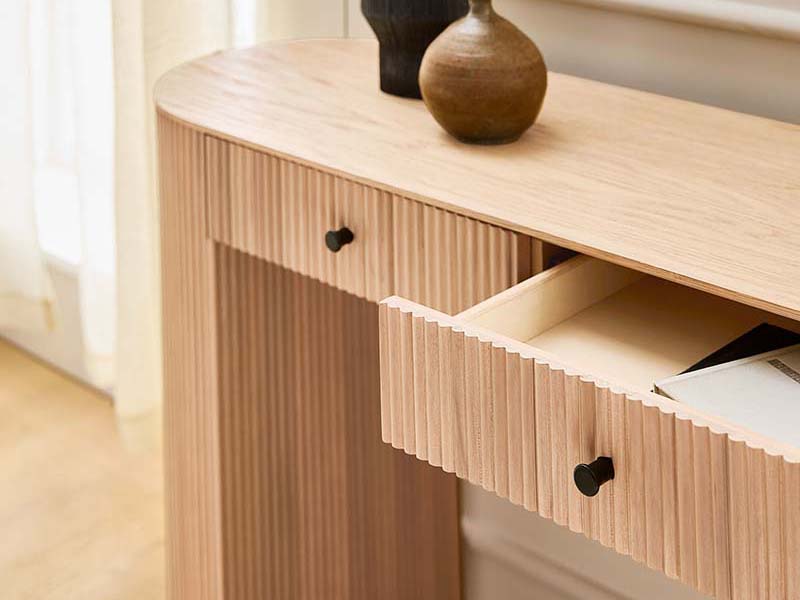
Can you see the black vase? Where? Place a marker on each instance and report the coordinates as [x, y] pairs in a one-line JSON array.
[[405, 29]]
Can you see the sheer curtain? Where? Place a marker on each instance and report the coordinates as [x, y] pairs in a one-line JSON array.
[[150, 37], [77, 160], [58, 137], [26, 296]]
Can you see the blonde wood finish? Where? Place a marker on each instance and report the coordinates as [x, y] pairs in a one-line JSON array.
[[707, 502], [450, 262], [192, 455], [608, 320], [542, 302], [81, 508], [278, 485], [313, 504], [691, 193], [280, 210]]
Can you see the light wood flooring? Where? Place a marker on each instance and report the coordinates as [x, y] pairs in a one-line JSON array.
[[80, 503]]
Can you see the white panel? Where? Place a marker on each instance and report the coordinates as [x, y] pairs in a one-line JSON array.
[[357, 24], [776, 18], [743, 72], [297, 19], [512, 554]]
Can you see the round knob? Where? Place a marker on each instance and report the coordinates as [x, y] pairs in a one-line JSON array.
[[589, 478], [336, 240]]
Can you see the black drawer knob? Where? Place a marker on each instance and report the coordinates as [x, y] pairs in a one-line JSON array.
[[336, 240], [589, 478]]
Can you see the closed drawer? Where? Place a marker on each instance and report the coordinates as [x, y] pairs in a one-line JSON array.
[[515, 392], [281, 211]]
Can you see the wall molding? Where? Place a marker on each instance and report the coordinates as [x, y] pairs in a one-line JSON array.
[[768, 18], [533, 564]]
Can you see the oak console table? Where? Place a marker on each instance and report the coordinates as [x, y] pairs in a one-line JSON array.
[[296, 197]]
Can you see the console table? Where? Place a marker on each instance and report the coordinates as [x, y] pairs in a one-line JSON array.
[[295, 198]]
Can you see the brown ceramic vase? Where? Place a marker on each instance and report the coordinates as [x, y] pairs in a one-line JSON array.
[[482, 79]]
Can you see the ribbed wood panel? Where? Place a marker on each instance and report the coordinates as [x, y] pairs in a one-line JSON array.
[[277, 483], [191, 440], [481, 260], [280, 210], [574, 181], [313, 504], [715, 512]]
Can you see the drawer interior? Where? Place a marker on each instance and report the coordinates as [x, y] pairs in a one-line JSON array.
[[620, 326]]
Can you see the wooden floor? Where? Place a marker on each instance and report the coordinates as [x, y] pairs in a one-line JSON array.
[[80, 503]]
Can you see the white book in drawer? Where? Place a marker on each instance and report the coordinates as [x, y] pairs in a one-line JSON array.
[[761, 392]]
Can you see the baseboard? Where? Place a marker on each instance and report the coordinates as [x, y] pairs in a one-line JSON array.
[[63, 347]]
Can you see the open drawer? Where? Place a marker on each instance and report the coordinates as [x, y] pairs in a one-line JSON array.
[[517, 391]]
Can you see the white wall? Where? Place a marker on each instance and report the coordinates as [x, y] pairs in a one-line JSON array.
[[741, 71], [511, 554]]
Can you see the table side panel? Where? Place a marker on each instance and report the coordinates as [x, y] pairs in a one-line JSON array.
[[257, 309], [191, 441], [313, 504]]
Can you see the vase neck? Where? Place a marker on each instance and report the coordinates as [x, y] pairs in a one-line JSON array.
[[480, 8]]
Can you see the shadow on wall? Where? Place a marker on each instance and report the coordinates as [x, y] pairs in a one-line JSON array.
[[749, 73]]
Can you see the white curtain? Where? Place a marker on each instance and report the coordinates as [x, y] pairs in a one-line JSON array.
[[90, 65], [77, 160], [25, 291], [57, 167], [151, 37]]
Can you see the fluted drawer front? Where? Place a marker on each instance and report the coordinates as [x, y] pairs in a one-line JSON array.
[[281, 211], [449, 262], [706, 503], [290, 214]]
